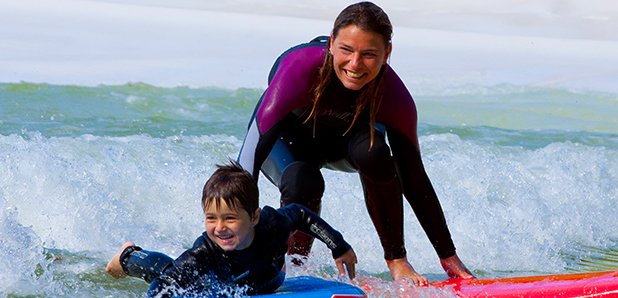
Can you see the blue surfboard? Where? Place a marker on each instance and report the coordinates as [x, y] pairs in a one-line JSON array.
[[314, 287]]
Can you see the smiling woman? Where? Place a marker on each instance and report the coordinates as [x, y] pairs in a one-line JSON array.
[[331, 103], [358, 56]]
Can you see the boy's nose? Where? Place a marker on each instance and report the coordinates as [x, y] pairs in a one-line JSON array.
[[220, 226]]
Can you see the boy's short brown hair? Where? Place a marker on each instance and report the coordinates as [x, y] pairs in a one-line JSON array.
[[234, 185]]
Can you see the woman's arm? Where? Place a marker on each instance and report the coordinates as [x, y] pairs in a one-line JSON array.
[[398, 113], [290, 88]]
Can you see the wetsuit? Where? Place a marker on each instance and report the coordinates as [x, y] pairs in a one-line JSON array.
[[206, 269], [283, 146]]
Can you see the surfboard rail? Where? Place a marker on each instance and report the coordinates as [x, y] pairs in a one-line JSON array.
[[314, 287], [588, 284]]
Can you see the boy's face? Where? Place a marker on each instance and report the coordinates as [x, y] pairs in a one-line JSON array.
[[231, 229]]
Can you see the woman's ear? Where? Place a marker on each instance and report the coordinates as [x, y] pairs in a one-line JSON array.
[[330, 44], [387, 55]]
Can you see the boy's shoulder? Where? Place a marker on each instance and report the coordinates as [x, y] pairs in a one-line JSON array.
[[275, 221], [270, 217], [272, 231], [267, 210], [282, 215]]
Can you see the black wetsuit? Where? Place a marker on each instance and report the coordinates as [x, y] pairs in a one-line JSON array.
[[206, 269], [283, 146]]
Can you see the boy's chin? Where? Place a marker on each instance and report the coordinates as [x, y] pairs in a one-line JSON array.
[[228, 247]]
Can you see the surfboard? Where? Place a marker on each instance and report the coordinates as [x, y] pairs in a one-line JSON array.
[[589, 284], [314, 287]]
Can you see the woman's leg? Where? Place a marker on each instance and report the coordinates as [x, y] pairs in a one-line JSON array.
[[382, 190], [384, 201], [302, 183]]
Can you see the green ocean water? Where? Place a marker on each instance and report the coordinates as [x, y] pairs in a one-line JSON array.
[[507, 115], [123, 110]]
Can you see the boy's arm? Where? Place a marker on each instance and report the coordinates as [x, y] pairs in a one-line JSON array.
[[308, 222], [190, 266]]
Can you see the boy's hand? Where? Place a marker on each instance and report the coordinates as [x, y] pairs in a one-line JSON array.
[[348, 259], [114, 268]]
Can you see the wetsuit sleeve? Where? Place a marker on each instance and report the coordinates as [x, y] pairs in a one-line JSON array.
[[257, 147], [188, 267], [147, 265], [419, 192], [289, 89], [308, 222], [398, 113]]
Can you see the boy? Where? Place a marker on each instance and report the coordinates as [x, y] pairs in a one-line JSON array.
[[243, 246]]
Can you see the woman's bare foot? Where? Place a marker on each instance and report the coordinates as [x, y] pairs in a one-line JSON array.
[[401, 268], [114, 268], [455, 268]]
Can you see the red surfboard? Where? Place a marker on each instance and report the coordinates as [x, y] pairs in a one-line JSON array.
[[590, 284]]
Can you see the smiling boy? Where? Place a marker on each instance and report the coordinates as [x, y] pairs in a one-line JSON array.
[[243, 245]]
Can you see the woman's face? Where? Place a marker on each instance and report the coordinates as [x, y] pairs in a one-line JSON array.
[[358, 56]]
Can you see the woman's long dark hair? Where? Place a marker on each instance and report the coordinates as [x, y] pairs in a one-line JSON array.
[[368, 17]]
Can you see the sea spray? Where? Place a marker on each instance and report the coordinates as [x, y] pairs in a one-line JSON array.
[[24, 266]]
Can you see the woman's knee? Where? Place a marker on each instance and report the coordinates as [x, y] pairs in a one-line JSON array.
[[302, 183], [373, 160]]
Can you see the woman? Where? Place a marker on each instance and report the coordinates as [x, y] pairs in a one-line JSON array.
[[331, 103]]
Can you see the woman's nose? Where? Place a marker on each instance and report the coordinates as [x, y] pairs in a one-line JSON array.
[[355, 59]]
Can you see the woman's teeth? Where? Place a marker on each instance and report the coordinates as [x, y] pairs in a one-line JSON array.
[[354, 75]]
